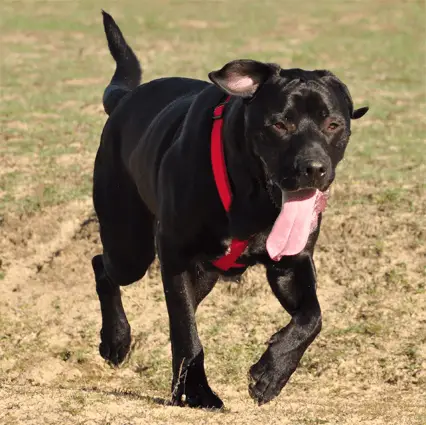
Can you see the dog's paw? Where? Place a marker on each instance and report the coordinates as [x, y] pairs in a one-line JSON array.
[[268, 377], [115, 342], [191, 388], [199, 397], [263, 386], [204, 398]]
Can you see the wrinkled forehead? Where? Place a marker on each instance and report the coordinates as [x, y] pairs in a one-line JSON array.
[[299, 96], [305, 97], [308, 98]]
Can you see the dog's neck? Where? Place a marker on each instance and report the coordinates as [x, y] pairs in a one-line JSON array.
[[252, 209]]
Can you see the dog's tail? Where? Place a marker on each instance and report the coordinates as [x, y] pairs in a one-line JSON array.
[[128, 73]]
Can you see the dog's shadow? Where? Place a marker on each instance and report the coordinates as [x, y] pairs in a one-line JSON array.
[[134, 395], [130, 394]]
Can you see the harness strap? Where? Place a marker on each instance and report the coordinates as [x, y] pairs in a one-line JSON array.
[[221, 178]]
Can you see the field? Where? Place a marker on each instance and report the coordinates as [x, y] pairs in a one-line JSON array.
[[369, 364]]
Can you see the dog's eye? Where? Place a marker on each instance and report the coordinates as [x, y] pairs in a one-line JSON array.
[[333, 126], [280, 126]]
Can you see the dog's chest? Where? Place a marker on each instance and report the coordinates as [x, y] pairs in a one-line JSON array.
[[256, 245]]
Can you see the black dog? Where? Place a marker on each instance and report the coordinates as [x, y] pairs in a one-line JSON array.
[[163, 184]]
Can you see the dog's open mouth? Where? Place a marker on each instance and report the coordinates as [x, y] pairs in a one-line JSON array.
[[296, 221]]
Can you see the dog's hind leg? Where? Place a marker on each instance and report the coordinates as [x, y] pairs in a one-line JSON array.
[[115, 332], [127, 234]]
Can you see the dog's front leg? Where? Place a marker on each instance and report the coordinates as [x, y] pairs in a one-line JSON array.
[[294, 284], [184, 291], [189, 376]]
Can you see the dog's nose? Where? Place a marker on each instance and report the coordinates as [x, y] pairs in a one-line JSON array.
[[313, 172], [314, 169]]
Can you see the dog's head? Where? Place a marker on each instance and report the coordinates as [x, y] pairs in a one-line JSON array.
[[296, 122]]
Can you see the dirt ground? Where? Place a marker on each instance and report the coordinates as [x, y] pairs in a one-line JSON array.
[[368, 366]]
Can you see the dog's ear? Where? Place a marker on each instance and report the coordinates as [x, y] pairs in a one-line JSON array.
[[243, 77], [335, 82], [360, 112]]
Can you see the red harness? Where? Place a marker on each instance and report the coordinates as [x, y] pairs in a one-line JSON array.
[[237, 247]]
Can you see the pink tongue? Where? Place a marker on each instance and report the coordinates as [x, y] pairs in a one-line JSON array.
[[292, 227]]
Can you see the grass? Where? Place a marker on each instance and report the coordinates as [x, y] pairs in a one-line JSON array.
[[368, 364], [55, 66]]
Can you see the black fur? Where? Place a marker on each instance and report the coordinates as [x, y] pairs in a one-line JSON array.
[[128, 73], [154, 192]]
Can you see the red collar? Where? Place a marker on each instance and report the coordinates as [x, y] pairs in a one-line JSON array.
[[220, 174]]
